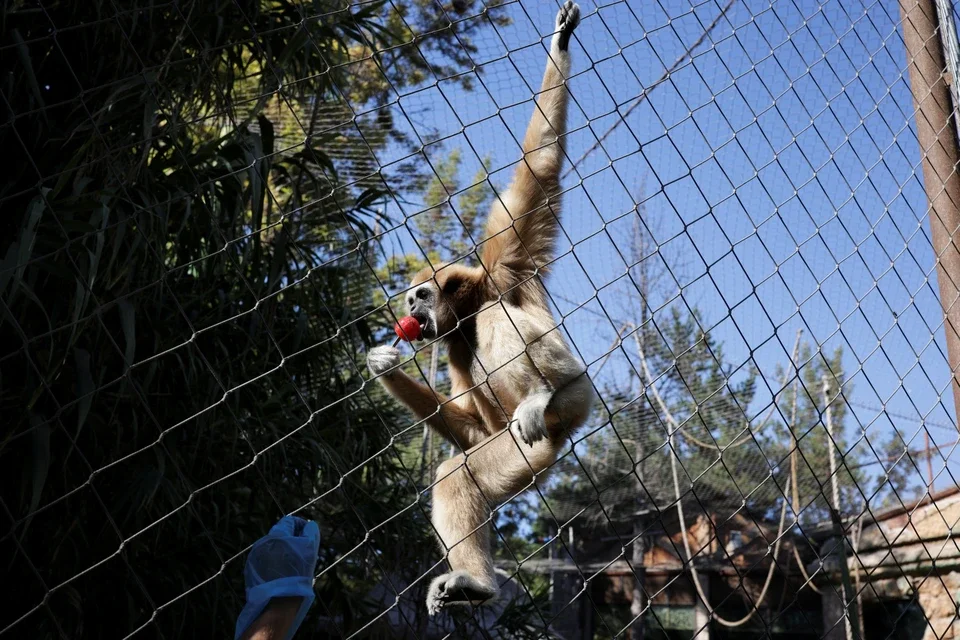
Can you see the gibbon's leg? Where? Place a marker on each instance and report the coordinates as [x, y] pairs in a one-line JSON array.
[[458, 425], [466, 485]]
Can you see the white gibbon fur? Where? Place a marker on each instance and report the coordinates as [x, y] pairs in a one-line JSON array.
[[509, 365]]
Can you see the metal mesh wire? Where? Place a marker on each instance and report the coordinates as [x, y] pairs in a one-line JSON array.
[[215, 212]]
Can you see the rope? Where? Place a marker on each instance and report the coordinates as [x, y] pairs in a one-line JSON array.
[[795, 485], [683, 527], [742, 440]]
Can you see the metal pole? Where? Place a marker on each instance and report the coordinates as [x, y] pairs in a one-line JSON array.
[[851, 622], [936, 131], [828, 415], [639, 548], [429, 461]]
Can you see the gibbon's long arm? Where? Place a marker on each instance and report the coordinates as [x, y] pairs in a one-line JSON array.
[[523, 224], [457, 424]]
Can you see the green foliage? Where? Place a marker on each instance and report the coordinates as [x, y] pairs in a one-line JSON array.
[[446, 231], [712, 408], [627, 458], [896, 475], [180, 327], [731, 457], [814, 447]]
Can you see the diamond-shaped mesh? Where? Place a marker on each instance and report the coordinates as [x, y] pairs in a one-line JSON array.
[[213, 211]]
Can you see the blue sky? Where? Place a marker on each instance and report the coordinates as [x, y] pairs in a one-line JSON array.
[[778, 172]]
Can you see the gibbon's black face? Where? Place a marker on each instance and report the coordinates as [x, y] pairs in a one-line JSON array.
[[422, 304], [440, 299]]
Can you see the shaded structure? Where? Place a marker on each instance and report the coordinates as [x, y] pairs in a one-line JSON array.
[[907, 562], [610, 587]]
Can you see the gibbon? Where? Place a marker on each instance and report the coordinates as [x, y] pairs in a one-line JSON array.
[[509, 365]]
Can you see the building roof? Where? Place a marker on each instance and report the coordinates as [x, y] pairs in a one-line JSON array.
[[926, 498]]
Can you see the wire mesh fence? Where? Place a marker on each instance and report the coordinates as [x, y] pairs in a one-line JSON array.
[[215, 212]]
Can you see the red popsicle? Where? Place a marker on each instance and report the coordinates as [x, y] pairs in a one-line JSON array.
[[407, 328]]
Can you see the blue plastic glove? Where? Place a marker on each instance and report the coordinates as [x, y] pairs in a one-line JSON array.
[[281, 564]]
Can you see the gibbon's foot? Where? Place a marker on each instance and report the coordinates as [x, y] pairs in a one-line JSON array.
[[567, 20], [457, 588], [529, 417], [383, 359]]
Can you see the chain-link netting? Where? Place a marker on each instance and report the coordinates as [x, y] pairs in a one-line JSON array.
[[214, 211]]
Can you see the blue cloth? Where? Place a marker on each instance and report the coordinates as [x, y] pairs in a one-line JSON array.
[[280, 564]]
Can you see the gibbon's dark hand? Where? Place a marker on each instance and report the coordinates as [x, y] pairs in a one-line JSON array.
[[567, 20], [280, 565]]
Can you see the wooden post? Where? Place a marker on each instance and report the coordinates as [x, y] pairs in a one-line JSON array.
[[851, 622], [936, 131], [701, 610], [636, 631]]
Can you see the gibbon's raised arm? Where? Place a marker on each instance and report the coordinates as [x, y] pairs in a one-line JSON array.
[[523, 225]]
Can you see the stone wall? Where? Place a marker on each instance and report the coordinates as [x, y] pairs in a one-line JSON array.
[[938, 596], [915, 552]]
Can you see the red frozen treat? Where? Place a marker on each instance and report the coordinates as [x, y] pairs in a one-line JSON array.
[[407, 328]]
